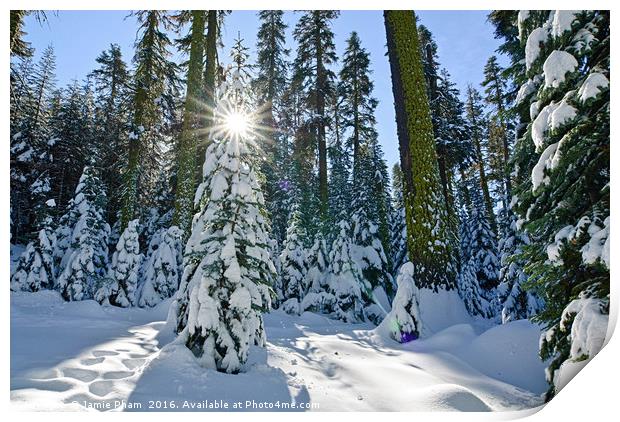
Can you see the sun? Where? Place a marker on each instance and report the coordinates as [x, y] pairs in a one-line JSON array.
[[237, 124]]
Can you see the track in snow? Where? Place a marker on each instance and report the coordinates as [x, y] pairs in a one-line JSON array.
[[72, 356]]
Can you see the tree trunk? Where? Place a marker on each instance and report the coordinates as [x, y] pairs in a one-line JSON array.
[[484, 184], [427, 221], [188, 141], [209, 87], [320, 123]]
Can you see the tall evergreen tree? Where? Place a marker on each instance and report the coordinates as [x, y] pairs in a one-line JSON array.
[[155, 85], [479, 243], [163, 268], [31, 141], [316, 52], [270, 84], [427, 233], [499, 124], [562, 178], [370, 235], [228, 271], [191, 133], [477, 125], [72, 129], [111, 90], [214, 22], [358, 105]]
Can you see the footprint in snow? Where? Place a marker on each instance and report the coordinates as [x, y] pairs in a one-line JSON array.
[[84, 375], [116, 375], [101, 388], [100, 353], [92, 361], [133, 363]]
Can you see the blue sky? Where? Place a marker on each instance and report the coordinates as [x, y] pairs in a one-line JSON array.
[[465, 41]]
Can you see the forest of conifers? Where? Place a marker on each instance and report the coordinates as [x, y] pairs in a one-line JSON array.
[[236, 189]]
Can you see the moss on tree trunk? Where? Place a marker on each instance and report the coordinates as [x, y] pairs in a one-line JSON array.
[[188, 142], [427, 234]]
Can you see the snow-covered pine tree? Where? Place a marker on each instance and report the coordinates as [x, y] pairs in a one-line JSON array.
[[516, 297], [121, 286], [35, 267], [369, 257], [294, 266], [31, 141], [84, 234], [63, 235], [468, 284], [274, 254], [163, 268], [369, 219], [318, 298], [562, 179], [227, 276], [481, 245], [345, 280], [403, 321], [398, 227]]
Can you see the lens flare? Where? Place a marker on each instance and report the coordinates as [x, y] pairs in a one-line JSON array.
[[237, 124]]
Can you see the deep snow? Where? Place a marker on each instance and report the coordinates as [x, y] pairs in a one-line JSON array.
[[65, 356]]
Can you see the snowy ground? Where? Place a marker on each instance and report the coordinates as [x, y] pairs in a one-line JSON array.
[[68, 356]]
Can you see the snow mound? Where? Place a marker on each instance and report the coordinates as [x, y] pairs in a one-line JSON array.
[[439, 310], [451, 397], [509, 352]]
